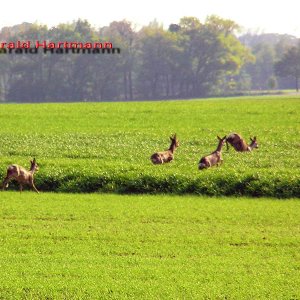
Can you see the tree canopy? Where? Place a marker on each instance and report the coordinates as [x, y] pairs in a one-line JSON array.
[[289, 65], [188, 59]]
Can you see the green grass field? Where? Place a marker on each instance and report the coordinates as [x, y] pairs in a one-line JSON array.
[[108, 246], [90, 147], [101, 246]]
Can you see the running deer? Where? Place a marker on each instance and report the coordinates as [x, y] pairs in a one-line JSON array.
[[21, 175], [215, 158], [168, 155], [239, 144]]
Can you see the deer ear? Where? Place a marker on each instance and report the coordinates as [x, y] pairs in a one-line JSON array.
[[218, 137], [224, 137], [254, 138], [251, 139]]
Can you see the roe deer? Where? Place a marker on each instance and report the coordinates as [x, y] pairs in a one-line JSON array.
[[239, 144], [168, 155], [215, 158], [21, 175]]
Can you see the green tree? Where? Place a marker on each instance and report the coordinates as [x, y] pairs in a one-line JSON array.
[[123, 36], [272, 82], [267, 49], [190, 59], [157, 60], [289, 65], [262, 68], [212, 51]]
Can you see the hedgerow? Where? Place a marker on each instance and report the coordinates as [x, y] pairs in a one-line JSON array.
[[257, 185]]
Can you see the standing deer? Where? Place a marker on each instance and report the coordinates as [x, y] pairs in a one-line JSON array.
[[21, 175], [215, 158], [239, 144], [168, 155]]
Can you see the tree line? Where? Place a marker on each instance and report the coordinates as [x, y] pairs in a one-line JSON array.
[[187, 60]]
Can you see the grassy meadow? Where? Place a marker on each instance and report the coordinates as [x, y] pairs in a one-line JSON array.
[[91, 147], [104, 246], [77, 244]]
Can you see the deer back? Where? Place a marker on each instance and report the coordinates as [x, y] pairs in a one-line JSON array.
[[213, 158], [19, 173], [162, 157], [237, 142], [167, 155]]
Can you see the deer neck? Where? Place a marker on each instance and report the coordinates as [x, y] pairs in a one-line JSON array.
[[220, 145], [250, 147], [172, 147], [32, 171]]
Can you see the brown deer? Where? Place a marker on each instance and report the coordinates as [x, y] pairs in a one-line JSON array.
[[239, 144], [168, 155], [215, 158], [21, 175]]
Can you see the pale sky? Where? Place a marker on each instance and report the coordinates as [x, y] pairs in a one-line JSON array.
[[260, 16]]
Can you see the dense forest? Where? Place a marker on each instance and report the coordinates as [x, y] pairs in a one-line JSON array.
[[186, 60]]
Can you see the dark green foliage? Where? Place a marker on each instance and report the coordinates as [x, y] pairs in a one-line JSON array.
[[153, 63], [189, 59], [289, 65], [268, 49], [211, 185]]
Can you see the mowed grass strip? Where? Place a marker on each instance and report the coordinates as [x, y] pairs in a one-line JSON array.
[[88, 147], [99, 246]]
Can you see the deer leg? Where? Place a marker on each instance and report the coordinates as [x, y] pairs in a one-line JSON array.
[[5, 183], [227, 147], [220, 163], [34, 187], [21, 187]]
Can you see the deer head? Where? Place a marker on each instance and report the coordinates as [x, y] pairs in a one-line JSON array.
[[33, 165], [221, 142], [174, 142], [254, 143]]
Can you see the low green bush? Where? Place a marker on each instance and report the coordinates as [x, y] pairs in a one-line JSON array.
[[205, 184]]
